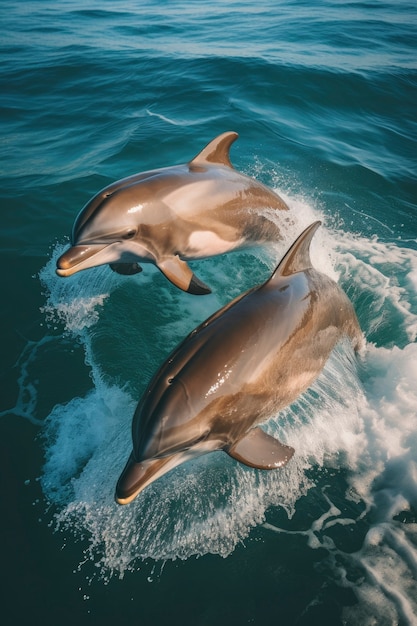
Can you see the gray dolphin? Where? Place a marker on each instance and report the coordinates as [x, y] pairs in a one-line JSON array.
[[237, 369], [173, 215]]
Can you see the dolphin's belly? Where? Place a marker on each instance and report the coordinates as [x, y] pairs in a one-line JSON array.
[[203, 243]]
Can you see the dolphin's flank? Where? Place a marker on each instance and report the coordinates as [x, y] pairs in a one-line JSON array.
[[240, 367]]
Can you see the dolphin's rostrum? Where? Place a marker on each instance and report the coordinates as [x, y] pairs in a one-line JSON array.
[[241, 366], [173, 215]]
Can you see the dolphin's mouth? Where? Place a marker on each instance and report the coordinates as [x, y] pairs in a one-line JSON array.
[[78, 258]]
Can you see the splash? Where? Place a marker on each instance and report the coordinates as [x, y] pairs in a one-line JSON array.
[[357, 419], [380, 493], [207, 505], [65, 306]]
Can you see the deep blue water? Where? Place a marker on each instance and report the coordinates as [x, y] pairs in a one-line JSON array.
[[323, 96]]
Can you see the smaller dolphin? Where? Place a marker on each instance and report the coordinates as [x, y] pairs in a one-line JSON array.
[[173, 215], [242, 365]]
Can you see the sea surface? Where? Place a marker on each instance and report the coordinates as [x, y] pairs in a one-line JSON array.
[[323, 95]]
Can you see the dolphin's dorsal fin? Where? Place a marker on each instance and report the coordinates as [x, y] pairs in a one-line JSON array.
[[217, 151], [297, 258], [260, 450]]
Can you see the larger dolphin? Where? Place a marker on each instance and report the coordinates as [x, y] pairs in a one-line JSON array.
[[173, 215], [237, 369]]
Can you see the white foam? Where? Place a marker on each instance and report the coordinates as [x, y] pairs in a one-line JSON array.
[[380, 449], [27, 394]]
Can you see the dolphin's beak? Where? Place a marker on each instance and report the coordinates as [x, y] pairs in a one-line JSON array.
[[136, 476], [78, 258]]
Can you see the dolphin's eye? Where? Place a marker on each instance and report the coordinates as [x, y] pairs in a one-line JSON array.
[[130, 233]]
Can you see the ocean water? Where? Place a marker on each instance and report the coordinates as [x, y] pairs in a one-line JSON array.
[[323, 96]]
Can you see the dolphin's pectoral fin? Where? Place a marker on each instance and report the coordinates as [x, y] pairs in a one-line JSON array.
[[126, 269], [257, 449], [181, 275]]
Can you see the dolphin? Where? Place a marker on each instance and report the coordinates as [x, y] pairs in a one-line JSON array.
[[241, 366], [172, 215]]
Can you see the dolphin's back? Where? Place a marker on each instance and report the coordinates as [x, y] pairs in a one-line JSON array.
[[269, 345], [240, 367]]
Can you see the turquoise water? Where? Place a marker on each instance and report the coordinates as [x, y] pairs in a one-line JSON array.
[[323, 97]]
